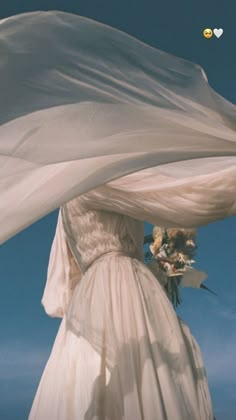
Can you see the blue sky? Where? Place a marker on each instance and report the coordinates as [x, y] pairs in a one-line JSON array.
[[26, 333]]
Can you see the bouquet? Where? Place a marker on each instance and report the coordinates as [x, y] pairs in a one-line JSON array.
[[173, 249]]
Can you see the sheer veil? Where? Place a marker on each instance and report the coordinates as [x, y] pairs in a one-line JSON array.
[[83, 105]]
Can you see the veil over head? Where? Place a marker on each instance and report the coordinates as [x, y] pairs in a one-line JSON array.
[[83, 105]]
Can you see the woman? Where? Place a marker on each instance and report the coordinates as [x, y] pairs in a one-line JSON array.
[[115, 133]]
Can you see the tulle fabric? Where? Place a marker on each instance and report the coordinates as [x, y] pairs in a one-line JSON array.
[[83, 104], [121, 353]]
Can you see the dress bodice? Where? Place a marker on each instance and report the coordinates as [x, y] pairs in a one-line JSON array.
[[92, 233]]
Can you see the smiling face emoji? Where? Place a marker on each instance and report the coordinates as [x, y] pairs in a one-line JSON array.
[[207, 33]]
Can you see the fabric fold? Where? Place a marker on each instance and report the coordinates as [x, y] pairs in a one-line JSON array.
[[84, 104]]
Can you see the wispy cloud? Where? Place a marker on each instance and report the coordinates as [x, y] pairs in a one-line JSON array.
[[223, 306], [227, 313], [17, 361], [220, 359]]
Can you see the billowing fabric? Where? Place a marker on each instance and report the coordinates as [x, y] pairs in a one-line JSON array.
[[83, 104], [121, 352]]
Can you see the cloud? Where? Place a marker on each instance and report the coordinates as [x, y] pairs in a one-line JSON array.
[[223, 306], [220, 359], [18, 361], [227, 313]]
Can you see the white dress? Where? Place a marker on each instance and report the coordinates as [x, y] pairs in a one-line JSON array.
[[121, 352], [137, 135]]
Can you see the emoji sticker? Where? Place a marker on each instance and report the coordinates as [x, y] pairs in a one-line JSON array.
[[207, 33], [218, 32]]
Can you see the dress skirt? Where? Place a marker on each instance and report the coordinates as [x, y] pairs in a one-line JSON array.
[[121, 353]]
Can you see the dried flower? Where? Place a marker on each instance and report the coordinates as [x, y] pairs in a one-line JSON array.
[[173, 249]]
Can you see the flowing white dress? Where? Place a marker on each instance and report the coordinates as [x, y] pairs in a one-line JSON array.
[[116, 133], [121, 352]]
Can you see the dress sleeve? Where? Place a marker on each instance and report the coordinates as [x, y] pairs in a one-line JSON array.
[[193, 195], [62, 277]]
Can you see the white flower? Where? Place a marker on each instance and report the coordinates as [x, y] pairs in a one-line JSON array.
[[181, 257], [190, 262], [162, 253], [190, 242]]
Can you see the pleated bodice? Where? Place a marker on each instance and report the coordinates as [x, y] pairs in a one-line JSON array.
[[93, 233]]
